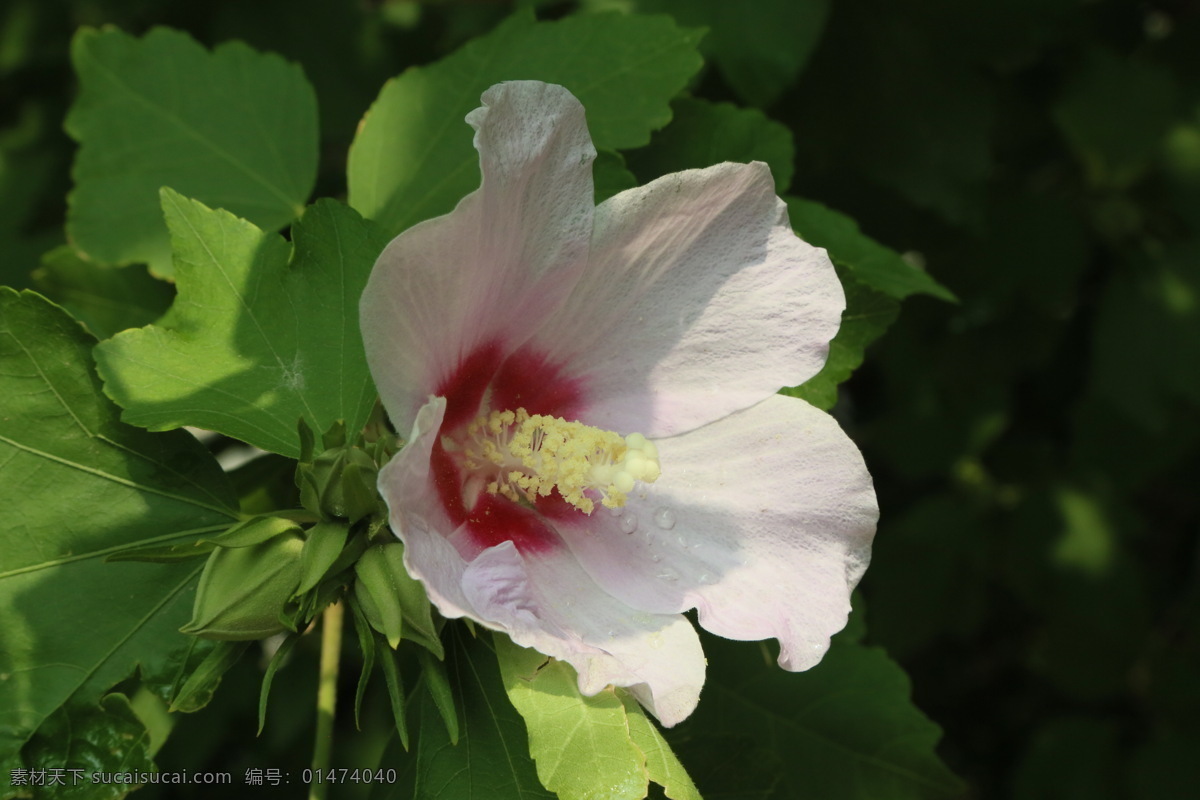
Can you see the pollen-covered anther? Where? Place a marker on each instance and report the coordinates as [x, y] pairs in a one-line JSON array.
[[534, 454]]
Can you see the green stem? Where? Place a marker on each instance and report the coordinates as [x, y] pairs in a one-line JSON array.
[[331, 648]]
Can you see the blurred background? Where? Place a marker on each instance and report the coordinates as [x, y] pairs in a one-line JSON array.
[[1034, 445]]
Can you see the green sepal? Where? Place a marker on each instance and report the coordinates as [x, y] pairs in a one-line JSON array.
[[254, 531], [393, 600], [335, 437], [198, 689], [308, 441], [306, 606], [384, 447], [366, 643], [165, 554], [355, 547], [371, 611], [395, 687], [323, 544], [277, 660], [440, 691], [243, 591], [339, 481], [360, 496]]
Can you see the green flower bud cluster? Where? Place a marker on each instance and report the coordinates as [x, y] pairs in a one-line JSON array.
[[339, 481], [275, 573]]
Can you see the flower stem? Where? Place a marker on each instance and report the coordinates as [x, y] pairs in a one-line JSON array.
[[331, 648]]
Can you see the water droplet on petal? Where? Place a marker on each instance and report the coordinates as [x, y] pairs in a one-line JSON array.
[[656, 558], [664, 518], [629, 522], [668, 575], [705, 578]]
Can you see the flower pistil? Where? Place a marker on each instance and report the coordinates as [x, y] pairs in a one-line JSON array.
[[530, 455]]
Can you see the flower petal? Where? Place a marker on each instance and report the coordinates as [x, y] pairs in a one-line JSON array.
[[762, 521], [698, 301], [416, 516], [493, 268], [542, 599], [547, 602]]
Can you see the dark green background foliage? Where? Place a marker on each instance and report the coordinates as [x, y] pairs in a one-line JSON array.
[[1030, 415]]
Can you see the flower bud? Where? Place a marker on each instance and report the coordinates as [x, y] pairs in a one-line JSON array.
[[244, 590], [339, 482], [394, 602]]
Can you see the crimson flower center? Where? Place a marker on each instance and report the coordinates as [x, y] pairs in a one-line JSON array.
[[523, 456]]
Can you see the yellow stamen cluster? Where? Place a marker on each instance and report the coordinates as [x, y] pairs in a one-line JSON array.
[[534, 454]]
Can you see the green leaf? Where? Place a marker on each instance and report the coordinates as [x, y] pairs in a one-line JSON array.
[[844, 730], [1115, 113], [105, 300], [30, 162], [874, 278], [704, 133], [760, 46], [874, 265], [1072, 758], [412, 158], [73, 624], [661, 763], [261, 333], [165, 554], [581, 745], [868, 314], [610, 175], [202, 683], [491, 760], [1144, 304], [105, 737], [922, 125], [233, 128]]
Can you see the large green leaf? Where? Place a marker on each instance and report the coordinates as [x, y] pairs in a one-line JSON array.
[[868, 314], [83, 739], [844, 730], [491, 760], [1115, 113], [581, 745], [661, 763], [922, 124], [1145, 304], [412, 158], [108, 300], [705, 133], [261, 334], [233, 128], [874, 265], [29, 165], [79, 485], [874, 277], [760, 46]]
